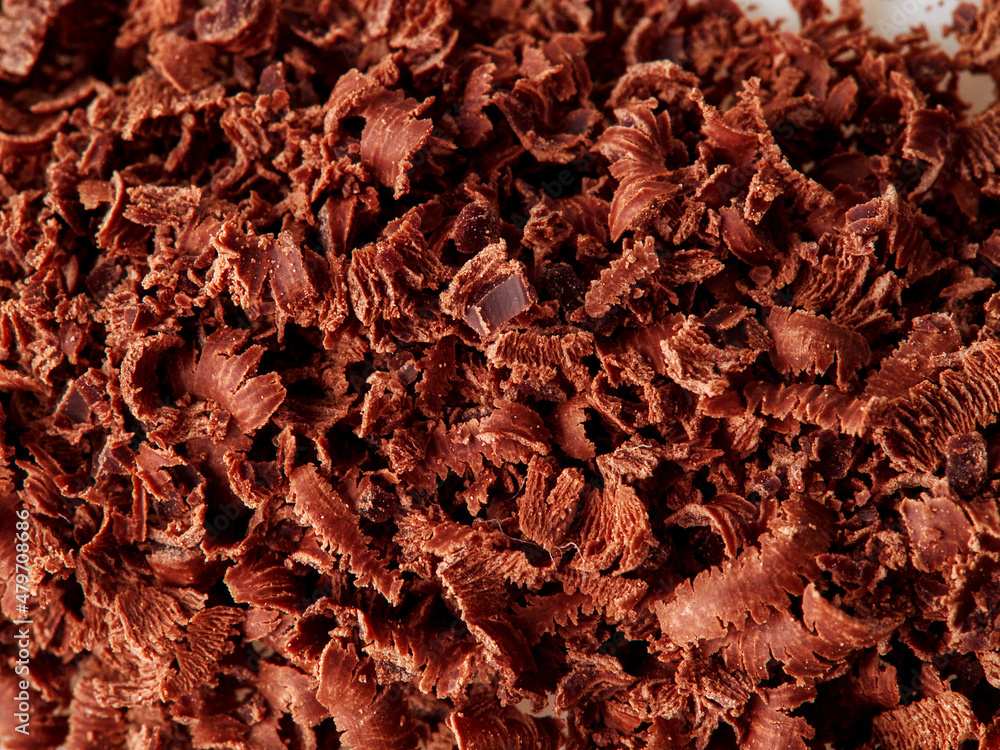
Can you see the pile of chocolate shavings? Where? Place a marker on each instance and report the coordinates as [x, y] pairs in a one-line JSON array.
[[498, 375]]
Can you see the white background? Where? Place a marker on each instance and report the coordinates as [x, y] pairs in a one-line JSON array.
[[889, 18]]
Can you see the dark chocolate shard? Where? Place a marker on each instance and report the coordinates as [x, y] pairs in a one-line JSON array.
[[240, 26]]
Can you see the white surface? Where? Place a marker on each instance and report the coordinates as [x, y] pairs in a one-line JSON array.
[[888, 19]]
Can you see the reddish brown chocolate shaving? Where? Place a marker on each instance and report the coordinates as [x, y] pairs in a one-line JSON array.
[[497, 375]]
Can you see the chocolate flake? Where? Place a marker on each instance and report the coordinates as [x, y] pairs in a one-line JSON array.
[[397, 375]]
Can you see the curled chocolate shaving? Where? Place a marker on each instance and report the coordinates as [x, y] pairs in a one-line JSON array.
[[542, 375], [23, 27], [367, 716], [944, 720]]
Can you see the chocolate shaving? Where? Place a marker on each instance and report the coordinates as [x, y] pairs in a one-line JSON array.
[[490, 726], [319, 507], [803, 342], [542, 375], [23, 27], [940, 721], [367, 716], [227, 378], [744, 587], [636, 262]]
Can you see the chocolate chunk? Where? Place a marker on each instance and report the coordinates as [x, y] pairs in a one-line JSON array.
[[504, 301], [966, 462], [476, 227]]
